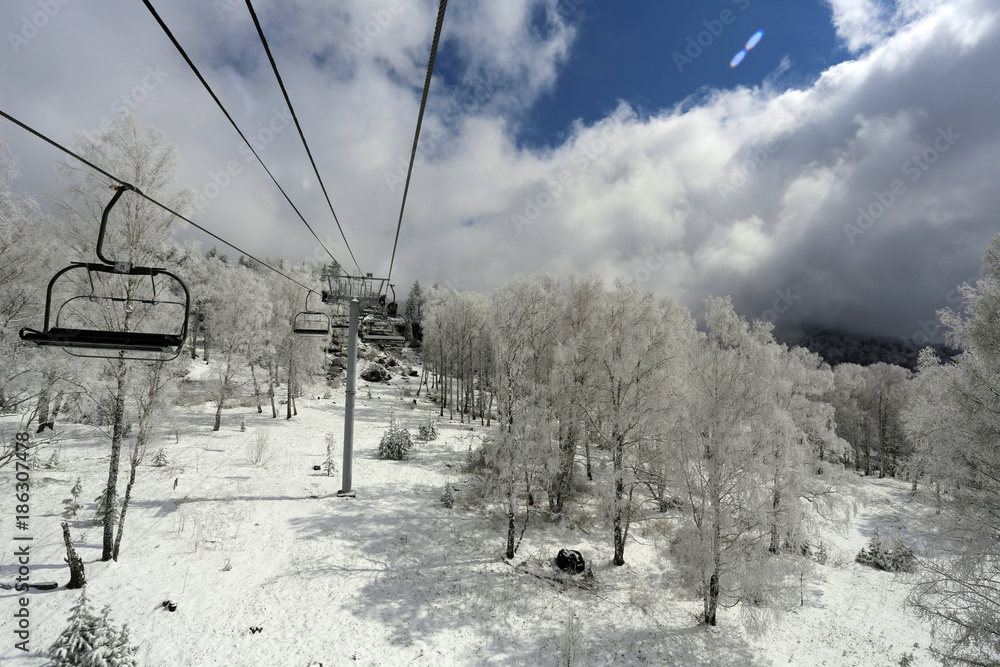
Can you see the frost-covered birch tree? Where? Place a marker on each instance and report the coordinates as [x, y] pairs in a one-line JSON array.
[[960, 591], [138, 231]]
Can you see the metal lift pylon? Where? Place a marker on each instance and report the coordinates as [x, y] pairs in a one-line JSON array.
[[356, 290]]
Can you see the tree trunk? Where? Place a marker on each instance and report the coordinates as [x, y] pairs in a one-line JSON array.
[[775, 503], [138, 449], [712, 602], [510, 529], [256, 389], [77, 576], [288, 403], [42, 407], [423, 380], [270, 389], [618, 458], [118, 424], [56, 407], [564, 475], [218, 414], [139, 443], [224, 390]]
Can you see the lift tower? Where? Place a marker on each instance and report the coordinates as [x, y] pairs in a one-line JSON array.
[[358, 291]]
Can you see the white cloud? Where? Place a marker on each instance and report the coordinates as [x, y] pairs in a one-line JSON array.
[[629, 196]]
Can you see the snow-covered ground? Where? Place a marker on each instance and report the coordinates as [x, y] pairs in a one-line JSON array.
[[393, 577]]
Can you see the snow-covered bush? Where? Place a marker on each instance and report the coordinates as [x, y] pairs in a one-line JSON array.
[[891, 555], [427, 432], [160, 460], [92, 640], [448, 499], [396, 442]]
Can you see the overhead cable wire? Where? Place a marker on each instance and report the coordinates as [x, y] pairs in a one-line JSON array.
[[211, 92], [142, 194], [420, 120], [302, 136]]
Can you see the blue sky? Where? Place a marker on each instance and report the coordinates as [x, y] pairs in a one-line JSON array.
[[566, 142], [638, 51]]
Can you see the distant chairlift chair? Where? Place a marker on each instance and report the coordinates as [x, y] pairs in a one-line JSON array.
[[382, 325], [311, 322], [89, 337]]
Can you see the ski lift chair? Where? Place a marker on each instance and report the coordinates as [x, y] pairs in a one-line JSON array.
[[311, 322], [73, 335]]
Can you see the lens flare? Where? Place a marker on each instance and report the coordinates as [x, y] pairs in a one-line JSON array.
[[738, 58], [754, 39]]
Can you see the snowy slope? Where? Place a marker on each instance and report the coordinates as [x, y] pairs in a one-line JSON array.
[[392, 577]]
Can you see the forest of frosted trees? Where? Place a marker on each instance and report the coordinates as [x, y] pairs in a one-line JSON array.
[[750, 441]]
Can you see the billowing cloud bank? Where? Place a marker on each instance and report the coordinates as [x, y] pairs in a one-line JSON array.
[[859, 201]]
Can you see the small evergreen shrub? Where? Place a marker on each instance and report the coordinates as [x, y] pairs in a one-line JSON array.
[[103, 509], [329, 465], [427, 432], [73, 505], [53, 461], [160, 460], [891, 555], [396, 443], [448, 499], [92, 640]]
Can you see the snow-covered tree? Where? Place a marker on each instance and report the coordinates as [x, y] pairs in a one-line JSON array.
[[639, 340], [413, 312], [238, 322], [90, 640], [138, 231], [75, 644], [731, 417], [396, 442], [959, 591], [934, 426], [524, 323]]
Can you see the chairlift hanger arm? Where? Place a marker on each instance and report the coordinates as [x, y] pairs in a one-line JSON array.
[[119, 191]]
